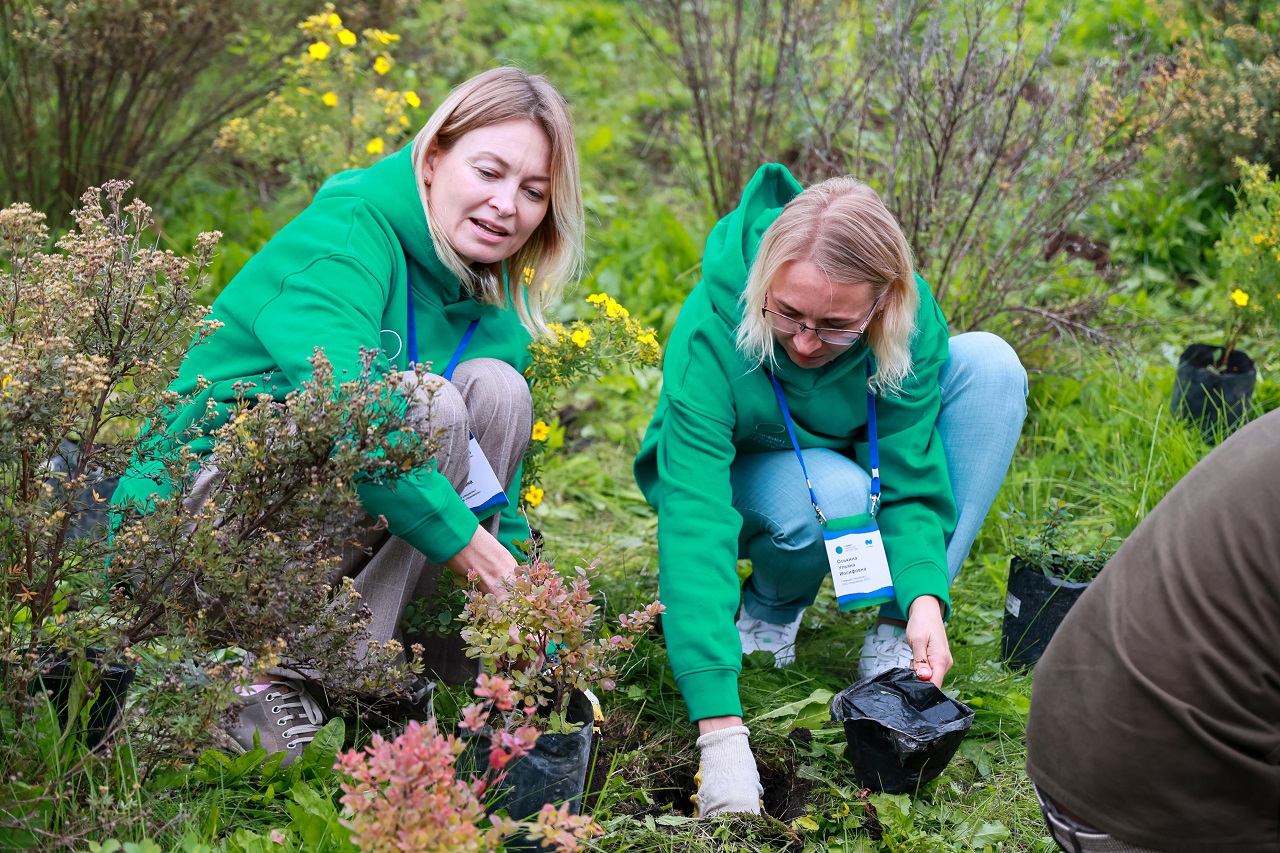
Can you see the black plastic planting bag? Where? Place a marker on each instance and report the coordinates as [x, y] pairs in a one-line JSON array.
[[1033, 609], [901, 731], [554, 772], [60, 675], [1214, 401]]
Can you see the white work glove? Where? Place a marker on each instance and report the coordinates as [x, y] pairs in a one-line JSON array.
[[727, 777]]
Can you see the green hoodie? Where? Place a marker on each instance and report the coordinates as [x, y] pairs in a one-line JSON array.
[[715, 405], [338, 277]]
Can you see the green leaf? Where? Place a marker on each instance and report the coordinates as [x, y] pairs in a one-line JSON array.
[[978, 837], [806, 823], [322, 752], [674, 820], [810, 712]]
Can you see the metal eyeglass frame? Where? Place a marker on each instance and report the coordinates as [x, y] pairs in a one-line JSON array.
[[855, 334]]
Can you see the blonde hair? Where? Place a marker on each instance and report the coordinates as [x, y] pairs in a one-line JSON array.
[[554, 250], [841, 227]]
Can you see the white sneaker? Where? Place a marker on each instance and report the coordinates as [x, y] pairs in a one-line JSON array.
[[884, 648], [758, 635]]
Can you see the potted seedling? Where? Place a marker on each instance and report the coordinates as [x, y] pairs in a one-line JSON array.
[[543, 633], [1048, 573], [1214, 384]]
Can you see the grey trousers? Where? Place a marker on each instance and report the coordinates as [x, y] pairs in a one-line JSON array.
[[486, 398]]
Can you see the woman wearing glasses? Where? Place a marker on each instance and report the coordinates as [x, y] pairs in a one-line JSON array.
[[767, 445]]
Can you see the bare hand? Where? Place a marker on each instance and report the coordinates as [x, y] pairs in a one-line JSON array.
[[485, 556], [927, 636]]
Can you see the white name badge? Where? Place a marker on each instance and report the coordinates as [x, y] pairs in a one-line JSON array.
[[482, 491], [859, 567]]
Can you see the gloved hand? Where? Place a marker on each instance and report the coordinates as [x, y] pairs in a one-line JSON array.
[[729, 781]]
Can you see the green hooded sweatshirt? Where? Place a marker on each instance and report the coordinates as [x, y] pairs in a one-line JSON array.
[[715, 405], [338, 277]]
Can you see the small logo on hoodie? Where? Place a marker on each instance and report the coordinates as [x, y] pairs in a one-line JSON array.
[[770, 435]]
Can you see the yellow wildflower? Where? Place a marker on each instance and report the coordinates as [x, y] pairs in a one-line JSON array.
[[4, 383], [412, 99], [557, 331], [319, 50], [533, 496], [334, 20], [347, 37], [330, 99], [404, 121], [1239, 297], [527, 275], [581, 337], [541, 431], [614, 309], [648, 340], [1258, 238], [375, 145], [384, 37], [381, 65], [597, 298]]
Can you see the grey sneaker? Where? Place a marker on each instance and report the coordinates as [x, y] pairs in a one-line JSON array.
[[284, 716]]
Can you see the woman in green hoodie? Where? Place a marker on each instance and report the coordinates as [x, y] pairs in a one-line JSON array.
[[811, 389], [409, 256]]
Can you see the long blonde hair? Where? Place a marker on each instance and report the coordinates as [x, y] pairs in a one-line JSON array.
[[843, 228], [555, 249]]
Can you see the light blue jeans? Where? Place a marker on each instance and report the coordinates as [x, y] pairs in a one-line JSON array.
[[984, 402]]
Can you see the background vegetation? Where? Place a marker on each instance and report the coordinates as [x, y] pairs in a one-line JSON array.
[[1065, 175]]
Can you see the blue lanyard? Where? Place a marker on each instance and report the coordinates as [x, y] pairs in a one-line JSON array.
[[873, 439], [412, 335]]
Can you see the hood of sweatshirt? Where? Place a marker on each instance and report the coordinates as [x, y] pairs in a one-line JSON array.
[[730, 251], [390, 187]]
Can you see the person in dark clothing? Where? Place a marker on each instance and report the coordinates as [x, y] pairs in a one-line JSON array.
[[1155, 712]]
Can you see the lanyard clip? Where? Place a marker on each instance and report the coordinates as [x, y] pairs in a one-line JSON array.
[[822, 519], [875, 503]]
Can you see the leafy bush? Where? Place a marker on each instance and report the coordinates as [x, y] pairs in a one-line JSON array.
[[541, 632], [90, 337], [573, 354], [1233, 109], [1053, 551], [1249, 253], [406, 794], [124, 88], [334, 111]]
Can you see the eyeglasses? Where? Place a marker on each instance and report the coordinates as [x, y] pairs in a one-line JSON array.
[[840, 337]]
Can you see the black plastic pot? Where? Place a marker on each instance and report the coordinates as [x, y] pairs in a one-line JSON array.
[[58, 678], [1214, 401], [554, 772], [902, 732], [1034, 607]]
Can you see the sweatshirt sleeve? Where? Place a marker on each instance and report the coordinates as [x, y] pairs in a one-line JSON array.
[[335, 300], [698, 537], [917, 511]]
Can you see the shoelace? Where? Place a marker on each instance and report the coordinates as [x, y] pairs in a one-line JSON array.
[[292, 696]]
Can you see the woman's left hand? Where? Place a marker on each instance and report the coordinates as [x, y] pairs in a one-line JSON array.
[[927, 636]]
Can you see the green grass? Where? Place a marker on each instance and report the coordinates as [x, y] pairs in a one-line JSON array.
[[1101, 439]]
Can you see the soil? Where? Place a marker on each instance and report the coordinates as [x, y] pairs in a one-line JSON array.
[[667, 774]]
